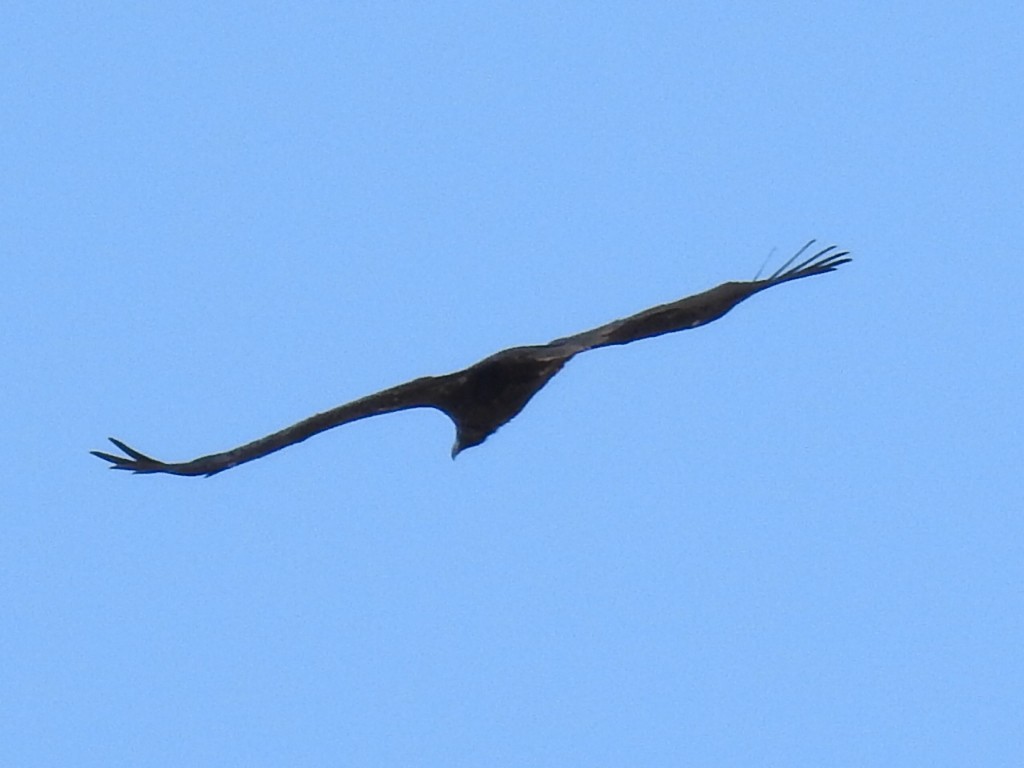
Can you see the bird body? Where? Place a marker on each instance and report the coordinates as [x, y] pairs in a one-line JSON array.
[[483, 397]]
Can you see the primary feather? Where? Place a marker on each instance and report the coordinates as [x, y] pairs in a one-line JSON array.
[[490, 393]]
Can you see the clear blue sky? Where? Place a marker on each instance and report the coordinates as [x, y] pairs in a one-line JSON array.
[[791, 538]]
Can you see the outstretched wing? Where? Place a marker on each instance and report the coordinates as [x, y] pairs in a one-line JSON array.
[[694, 311], [426, 392]]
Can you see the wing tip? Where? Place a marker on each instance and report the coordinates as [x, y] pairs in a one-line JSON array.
[[825, 260], [133, 461]]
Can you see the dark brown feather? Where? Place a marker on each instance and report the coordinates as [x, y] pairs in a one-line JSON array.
[[483, 397]]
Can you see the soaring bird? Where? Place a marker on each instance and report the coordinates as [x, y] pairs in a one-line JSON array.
[[490, 393]]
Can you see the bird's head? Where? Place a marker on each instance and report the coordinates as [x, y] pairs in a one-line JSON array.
[[467, 437]]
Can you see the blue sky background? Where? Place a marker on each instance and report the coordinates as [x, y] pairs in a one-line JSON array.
[[793, 537]]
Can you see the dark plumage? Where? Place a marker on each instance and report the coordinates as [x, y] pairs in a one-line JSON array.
[[483, 397]]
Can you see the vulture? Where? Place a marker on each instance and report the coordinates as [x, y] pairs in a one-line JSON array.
[[490, 393]]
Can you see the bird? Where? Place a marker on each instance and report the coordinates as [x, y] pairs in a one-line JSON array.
[[488, 394]]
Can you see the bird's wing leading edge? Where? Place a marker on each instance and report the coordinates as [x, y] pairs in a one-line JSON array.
[[426, 392], [701, 308]]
